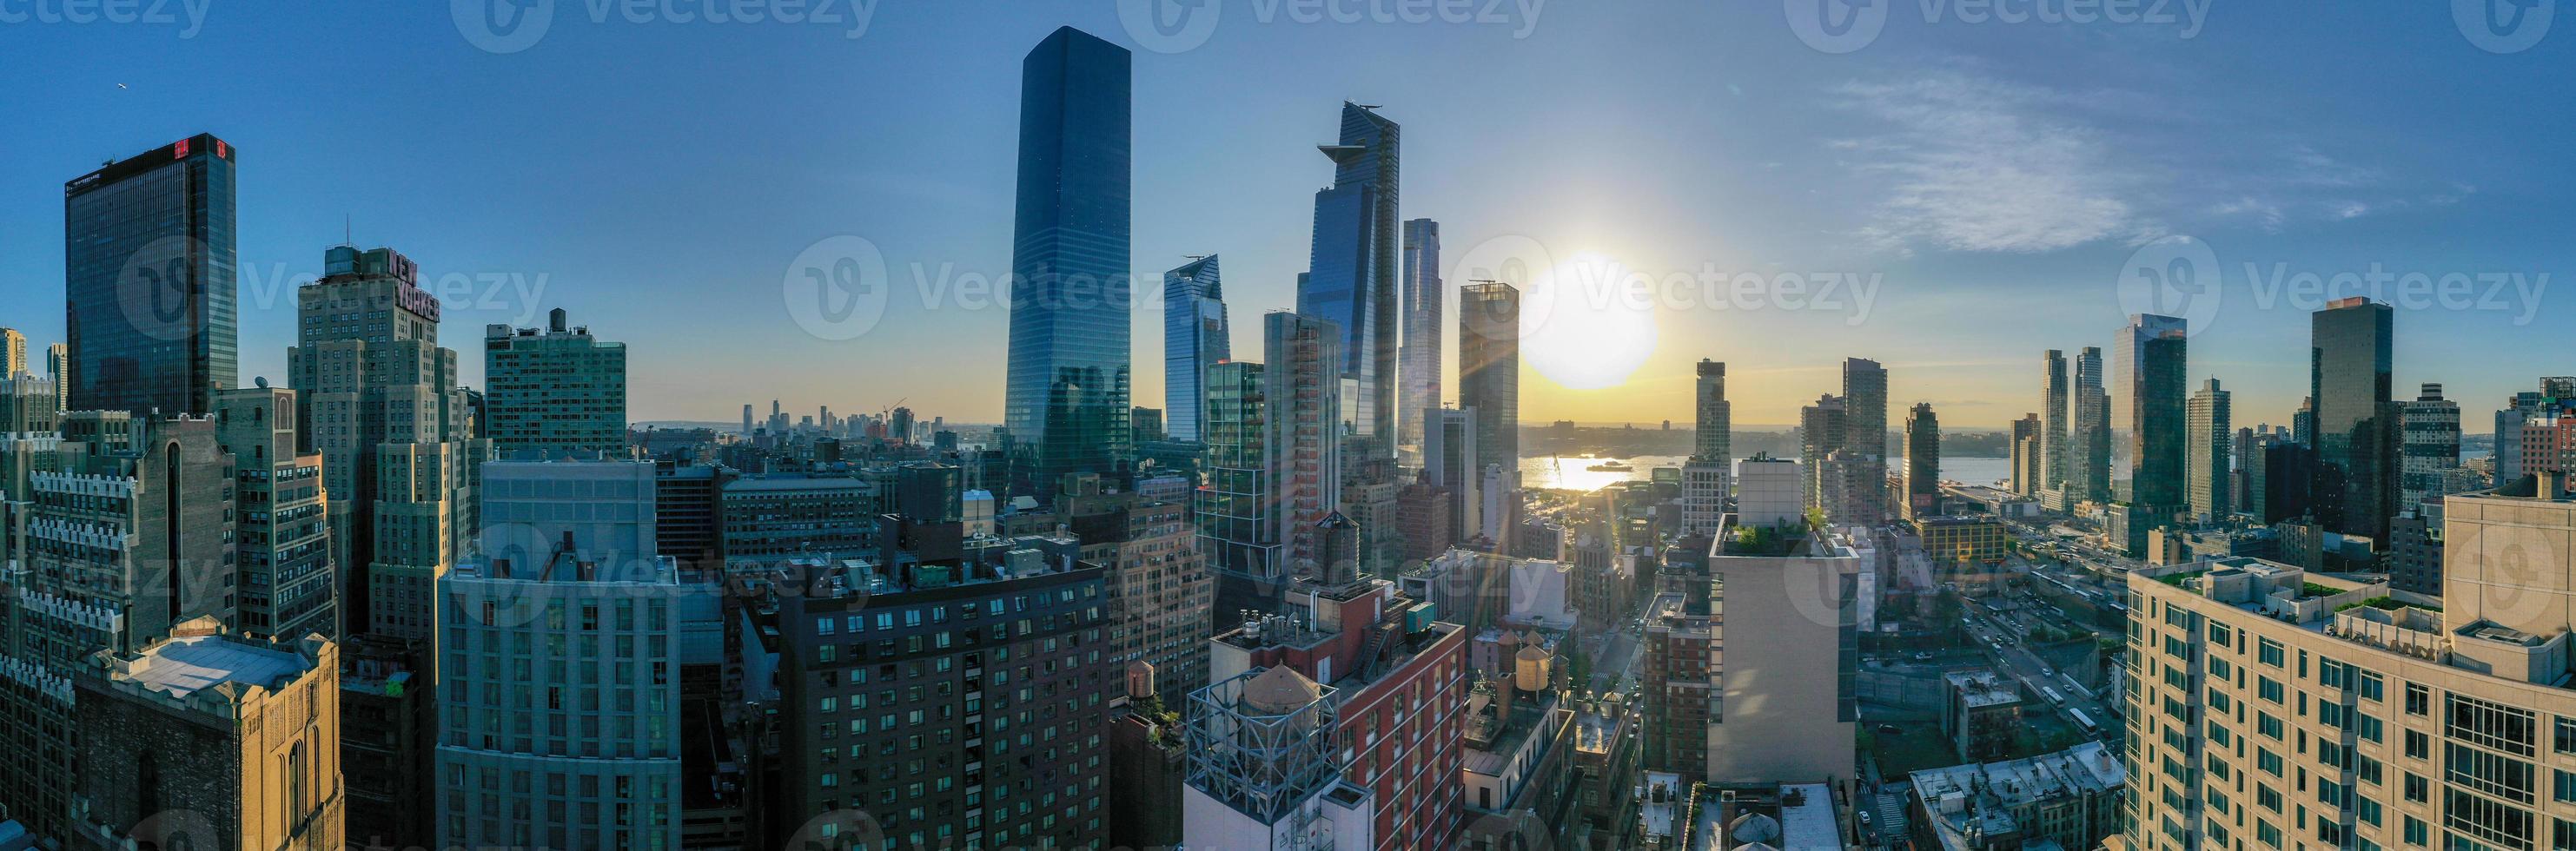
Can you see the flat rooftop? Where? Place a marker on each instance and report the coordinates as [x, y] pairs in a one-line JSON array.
[[182, 667]]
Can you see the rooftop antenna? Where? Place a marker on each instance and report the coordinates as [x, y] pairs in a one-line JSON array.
[[348, 226]]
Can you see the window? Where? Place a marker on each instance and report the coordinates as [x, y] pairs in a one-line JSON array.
[[2418, 789], [2371, 687], [2268, 689], [2563, 738], [2268, 761], [2499, 776], [2416, 832], [2564, 787], [2269, 652], [2418, 745], [2370, 727], [2267, 725], [2419, 700], [2489, 725]]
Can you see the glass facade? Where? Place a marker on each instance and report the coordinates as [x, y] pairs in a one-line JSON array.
[[149, 278], [1351, 279], [1067, 398], [2357, 432], [1489, 371], [1195, 337], [2153, 358], [1419, 374]]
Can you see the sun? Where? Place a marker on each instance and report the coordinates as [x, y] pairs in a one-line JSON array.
[[1589, 322]]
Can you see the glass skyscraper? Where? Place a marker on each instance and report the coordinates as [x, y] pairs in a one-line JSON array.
[[1419, 393], [2357, 434], [1067, 400], [148, 262], [1195, 337], [1351, 280], [2153, 352]]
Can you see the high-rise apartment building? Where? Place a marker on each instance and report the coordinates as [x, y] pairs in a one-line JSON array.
[[1922, 462], [2055, 398], [1195, 337], [1304, 420], [1066, 403], [1352, 277], [2209, 453], [1449, 460], [2027, 455], [1159, 589], [1418, 378], [2431, 446], [2278, 707], [2090, 475], [1712, 454], [149, 280], [2358, 436], [559, 662], [13, 353], [1821, 428], [1489, 385], [555, 391], [281, 522], [1854, 489], [1235, 505], [1865, 406]]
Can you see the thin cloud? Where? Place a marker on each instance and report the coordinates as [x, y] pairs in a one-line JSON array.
[[1979, 165]]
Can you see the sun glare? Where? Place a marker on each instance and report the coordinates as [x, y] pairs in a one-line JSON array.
[[1588, 323]]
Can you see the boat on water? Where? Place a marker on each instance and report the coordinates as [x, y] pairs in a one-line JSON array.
[[1611, 466]]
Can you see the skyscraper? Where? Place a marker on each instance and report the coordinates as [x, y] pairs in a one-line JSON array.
[[1195, 337], [1238, 526], [1305, 437], [58, 366], [1067, 400], [1712, 454], [2432, 445], [1821, 428], [13, 353], [555, 392], [1489, 383], [2155, 388], [1418, 375], [1351, 279], [1449, 461], [2358, 436], [2091, 475], [1865, 406], [282, 552], [1922, 462], [2053, 401], [148, 263], [2026, 455], [2212, 445]]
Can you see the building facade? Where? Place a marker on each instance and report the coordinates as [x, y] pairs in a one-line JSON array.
[[1195, 337], [554, 391], [149, 279]]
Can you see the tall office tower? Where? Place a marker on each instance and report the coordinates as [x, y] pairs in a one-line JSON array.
[[2358, 428], [1351, 278], [2430, 722], [1419, 385], [1821, 427], [1303, 737], [1922, 462], [1489, 384], [1712, 454], [1236, 506], [2153, 359], [746, 419], [2054, 398], [1195, 337], [2432, 445], [2208, 453], [377, 398], [128, 529], [1449, 461], [585, 751], [282, 549], [1009, 731], [207, 739], [13, 353], [1304, 424], [555, 392], [1066, 403], [58, 366], [1865, 406], [2027, 466], [898, 423], [2280, 477], [2091, 474], [148, 262], [2240, 476]]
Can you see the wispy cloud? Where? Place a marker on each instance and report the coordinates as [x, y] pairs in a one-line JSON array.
[[1980, 165]]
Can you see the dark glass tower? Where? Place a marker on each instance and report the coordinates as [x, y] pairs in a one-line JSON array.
[[1195, 337], [1351, 279], [1067, 400], [149, 280], [2357, 433], [2153, 356]]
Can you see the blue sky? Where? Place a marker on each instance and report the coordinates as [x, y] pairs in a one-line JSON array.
[[1990, 181]]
